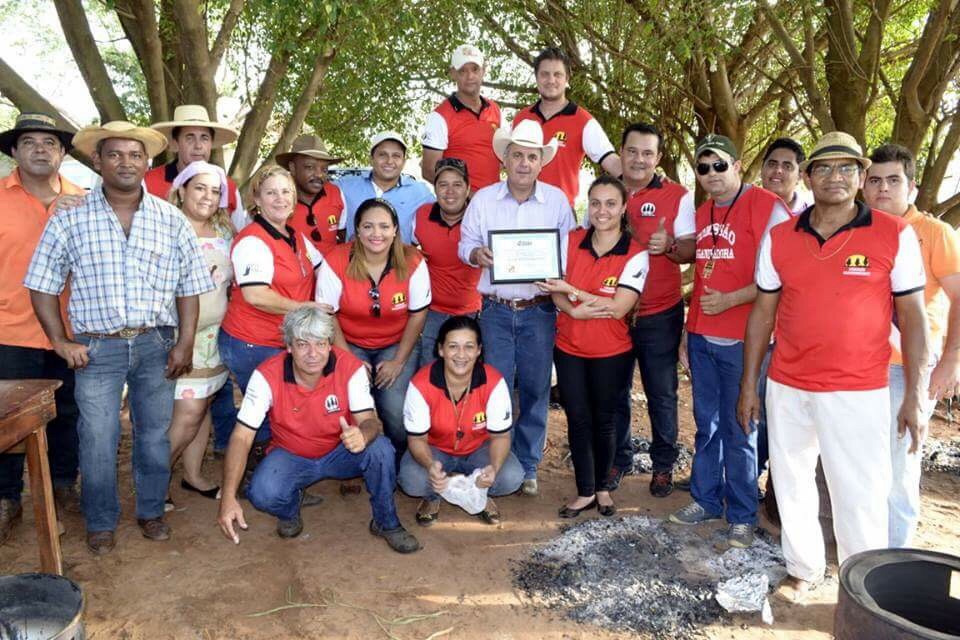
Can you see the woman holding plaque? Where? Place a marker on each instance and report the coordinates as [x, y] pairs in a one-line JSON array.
[[605, 273], [380, 291]]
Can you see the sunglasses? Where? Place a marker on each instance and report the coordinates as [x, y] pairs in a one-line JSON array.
[[719, 166], [374, 294]]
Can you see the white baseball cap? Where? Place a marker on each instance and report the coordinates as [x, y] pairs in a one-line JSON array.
[[466, 53], [383, 136]]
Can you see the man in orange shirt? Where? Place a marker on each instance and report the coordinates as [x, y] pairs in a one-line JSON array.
[[890, 181], [28, 196]]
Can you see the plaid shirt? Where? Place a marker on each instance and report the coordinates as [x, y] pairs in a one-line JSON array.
[[119, 282]]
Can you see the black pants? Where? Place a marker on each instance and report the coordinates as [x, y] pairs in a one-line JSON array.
[[591, 390], [656, 345], [62, 441]]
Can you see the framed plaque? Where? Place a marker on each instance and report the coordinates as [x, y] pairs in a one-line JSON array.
[[524, 255]]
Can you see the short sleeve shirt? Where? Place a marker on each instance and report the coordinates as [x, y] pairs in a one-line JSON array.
[[453, 284], [463, 133], [457, 427], [319, 221]]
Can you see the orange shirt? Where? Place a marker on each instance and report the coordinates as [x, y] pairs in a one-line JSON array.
[[320, 220], [940, 249], [22, 220]]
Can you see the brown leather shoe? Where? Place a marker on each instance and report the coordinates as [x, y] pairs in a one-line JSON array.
[[67, 498], [154, 529], [490, 513], [100, 542], [10, 513], [351, 487]]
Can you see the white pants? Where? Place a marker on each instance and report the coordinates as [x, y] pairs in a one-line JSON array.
[[850, 431]]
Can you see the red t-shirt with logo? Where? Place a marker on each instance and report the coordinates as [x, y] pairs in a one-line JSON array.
[[578, 135], [453, 283], [668, 201], [354, 300], [730, 239], [458, 428], [262, 256], [459, 132], [625, 265], [836, 298], [320, 228], [306, 422]]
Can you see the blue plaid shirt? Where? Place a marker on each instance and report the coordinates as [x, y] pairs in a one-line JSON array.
[[119, 282]]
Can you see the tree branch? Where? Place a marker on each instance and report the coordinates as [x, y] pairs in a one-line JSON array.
[[230, 19]]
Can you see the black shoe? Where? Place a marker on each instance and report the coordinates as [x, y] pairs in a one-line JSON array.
[[308, 499], [661, 484], [290, 528], [206, 493], [607, 510], [683, 484], [570, 512], [399, 539], [615, 477]]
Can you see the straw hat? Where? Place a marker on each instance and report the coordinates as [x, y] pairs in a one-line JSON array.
[[195, 115], [836, 145], [87, 138], [307, 145], [29, 122], [526, 134]]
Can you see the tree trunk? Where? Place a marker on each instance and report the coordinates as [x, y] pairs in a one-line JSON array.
[[195, 54], [139, 21], [936, 168], [304, 102]]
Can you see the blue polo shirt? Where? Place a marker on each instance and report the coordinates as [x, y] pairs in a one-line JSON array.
[[406, 198]]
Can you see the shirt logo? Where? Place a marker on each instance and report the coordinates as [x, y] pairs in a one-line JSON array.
[[561, 136], [856, 265], [332, 404], [479, 421], [331, 220], [609, 284], [648, 210], [399, 301]]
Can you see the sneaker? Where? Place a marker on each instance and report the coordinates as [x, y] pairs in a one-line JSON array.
[[427, 512], [530, 487], [154, 529], [661, 484], [399, 539], [683, 484], [490, 514], [290, 528], [693, 513], [10, 513], [308, 499], [615, 477], [100, 542], [740, 535]]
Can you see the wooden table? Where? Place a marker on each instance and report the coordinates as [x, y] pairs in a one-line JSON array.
[[26, 406]]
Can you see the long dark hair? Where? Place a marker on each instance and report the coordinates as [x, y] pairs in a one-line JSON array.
[[456, 323]]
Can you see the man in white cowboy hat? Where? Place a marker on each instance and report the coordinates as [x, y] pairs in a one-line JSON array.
[[27, 199], [385, 179], [192, 135], [462, 126], [518, 320], [135, 272], [319, 203], [832, 278]]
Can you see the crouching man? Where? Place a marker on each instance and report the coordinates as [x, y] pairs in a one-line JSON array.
[[324, 426]]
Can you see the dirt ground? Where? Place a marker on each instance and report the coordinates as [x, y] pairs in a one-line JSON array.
[[199, 585]]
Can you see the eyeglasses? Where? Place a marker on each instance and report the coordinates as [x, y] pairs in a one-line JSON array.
[[314, 233], [374, 294], [827, 170], [719, 166]]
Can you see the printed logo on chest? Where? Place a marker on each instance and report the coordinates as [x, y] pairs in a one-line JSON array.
[[856, 265], [479, 421], [609, 284], [332, 404]]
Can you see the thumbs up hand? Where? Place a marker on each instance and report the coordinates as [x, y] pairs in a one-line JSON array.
[[351, 437], [659, 240], [438, 479]]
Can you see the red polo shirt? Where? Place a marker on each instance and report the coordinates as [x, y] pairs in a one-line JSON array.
[[625, 265], [319, 221], [671, 202], [833, 319], [459, 132], [453, 284], [306, 422], [355, 300], [730, 238], [159, 180], [578, 135], [261, 256], [457, 427]]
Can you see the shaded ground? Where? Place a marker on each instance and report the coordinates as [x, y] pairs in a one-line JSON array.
[[198, 585]]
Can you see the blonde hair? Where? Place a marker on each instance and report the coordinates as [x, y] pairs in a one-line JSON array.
[[220, 220], [399, 252], [263, 174]]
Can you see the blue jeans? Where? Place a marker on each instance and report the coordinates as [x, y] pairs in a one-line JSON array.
[[242, 358], [428, 337], [656, 346], [389, 401], [223, 413], [281, 477], [414, 480], [140, 363], [519, 344], [725, 459], [763, 444]]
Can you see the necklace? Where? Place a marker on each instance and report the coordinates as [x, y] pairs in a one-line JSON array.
[[715, 233]]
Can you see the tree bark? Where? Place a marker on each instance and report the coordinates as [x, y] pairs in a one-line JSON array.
[[295, 122], [936, 168], [230, 19], [193, 47], [139, 21]]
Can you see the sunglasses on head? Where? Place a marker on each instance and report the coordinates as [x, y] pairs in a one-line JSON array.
[[719, 166], [374, 294]]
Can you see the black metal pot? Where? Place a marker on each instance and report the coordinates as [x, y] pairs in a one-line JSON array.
[[40, 606]]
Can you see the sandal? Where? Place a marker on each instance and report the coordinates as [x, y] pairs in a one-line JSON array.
[[427, 512]]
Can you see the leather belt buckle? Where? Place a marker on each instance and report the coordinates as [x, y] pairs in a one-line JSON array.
[[128, 333]]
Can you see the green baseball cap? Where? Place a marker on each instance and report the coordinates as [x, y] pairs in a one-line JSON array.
[[714, 142]]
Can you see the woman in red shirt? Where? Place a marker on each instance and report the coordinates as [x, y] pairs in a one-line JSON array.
[[605, 273], [380, 291], [273, 269]]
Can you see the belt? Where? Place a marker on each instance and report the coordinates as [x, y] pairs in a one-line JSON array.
[[518, 305], [126, 334]]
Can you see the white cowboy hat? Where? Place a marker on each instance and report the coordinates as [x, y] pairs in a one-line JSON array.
[[195, 115], [85, 141], [526, 134]]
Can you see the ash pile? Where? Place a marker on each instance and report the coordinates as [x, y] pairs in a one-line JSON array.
[[641, 456], [941, 456], [642, 575]]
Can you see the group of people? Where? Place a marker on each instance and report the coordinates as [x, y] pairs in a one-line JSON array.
[[360, 320]]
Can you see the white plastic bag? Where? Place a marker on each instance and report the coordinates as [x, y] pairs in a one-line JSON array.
[[464, 492]]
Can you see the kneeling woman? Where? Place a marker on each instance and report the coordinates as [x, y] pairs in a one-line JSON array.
[[605, 273], [458, 415]]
